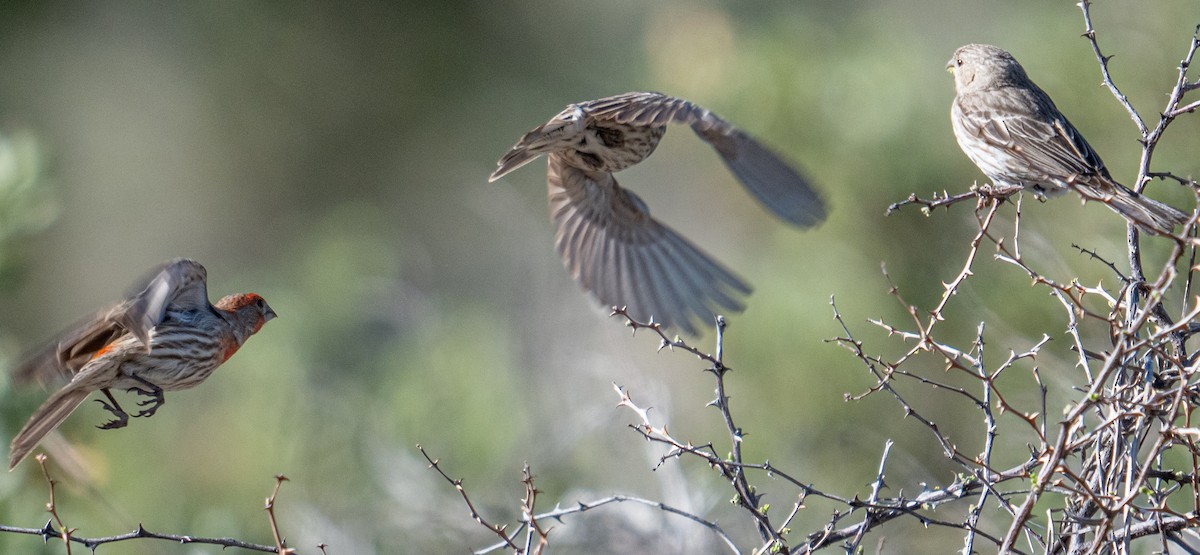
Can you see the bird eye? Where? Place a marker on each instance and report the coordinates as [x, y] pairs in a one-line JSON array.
[[260, 303], [958, 62]]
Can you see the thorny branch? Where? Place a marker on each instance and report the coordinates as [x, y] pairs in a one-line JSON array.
[[529, 523], [946, 200], [877, 509], [1118, 462], [746, 496], [1107, 457], [497, 529], [68, 534]]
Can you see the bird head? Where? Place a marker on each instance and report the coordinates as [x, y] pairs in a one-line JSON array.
[[250, 311], [980, 67]]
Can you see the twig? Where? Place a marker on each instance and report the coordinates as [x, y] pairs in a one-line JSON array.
[[52, 505], [280, 544], [497, 529], [559, 513], [876, 487], [68, 534], [1094, 256], [942, 200], [529, 516], [49, 531]]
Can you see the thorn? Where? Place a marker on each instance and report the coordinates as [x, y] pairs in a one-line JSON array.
[[48, 531]]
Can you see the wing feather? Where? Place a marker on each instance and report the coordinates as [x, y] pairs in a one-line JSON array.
[[180, 284], [624, 257]]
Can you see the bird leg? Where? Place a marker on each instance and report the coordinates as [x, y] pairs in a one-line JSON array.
[[151, 390], [122, 417]]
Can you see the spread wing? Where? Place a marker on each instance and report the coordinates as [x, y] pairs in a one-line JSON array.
[[181, 283], [771, 180], [624, 257]]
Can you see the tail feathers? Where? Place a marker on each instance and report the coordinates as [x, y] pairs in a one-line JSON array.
[[517, 157], [1144, 212], [1147, 213], [47, 417]]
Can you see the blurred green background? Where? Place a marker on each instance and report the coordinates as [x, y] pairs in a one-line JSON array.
[[333, 157]]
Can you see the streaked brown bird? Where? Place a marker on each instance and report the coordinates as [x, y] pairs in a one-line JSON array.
[[167, 337], [1015, 134], [606, 236]]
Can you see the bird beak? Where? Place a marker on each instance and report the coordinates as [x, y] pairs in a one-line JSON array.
[[268, 315], [950, 66]]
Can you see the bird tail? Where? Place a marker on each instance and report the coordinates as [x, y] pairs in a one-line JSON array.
[[47, 417], [1147, 213]]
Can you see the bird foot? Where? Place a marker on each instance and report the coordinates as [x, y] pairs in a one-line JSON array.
[[122, 417], [155, 394]]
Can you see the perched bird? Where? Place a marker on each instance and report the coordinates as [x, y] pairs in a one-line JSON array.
[[1011, 129], [165, 338], [606, 236]]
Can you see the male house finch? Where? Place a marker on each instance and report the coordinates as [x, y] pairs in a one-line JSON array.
[[165, 338], [1011, 129], [606, 236]]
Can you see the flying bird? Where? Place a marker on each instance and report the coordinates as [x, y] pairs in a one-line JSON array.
[[606, 236], [167, 337], [1010, 128]]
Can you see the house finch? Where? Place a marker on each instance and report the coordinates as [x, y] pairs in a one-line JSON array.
[[1011, 129], [606, 236], [165, 338]]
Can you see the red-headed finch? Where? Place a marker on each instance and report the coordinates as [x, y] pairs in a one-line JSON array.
[[165, 338]]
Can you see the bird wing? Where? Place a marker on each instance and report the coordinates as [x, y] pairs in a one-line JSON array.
[[180, 284], [771, 180], [624, 257], [1027, 125]]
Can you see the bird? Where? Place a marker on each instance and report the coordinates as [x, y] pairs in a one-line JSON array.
[[1013, 132], [606, 236], [167, 337]]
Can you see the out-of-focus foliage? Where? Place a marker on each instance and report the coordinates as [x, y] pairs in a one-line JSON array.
[[333, 157], [26, 205]]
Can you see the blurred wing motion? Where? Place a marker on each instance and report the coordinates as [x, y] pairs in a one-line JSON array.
[[623, 256], [773, 182], [180, 283], [165, 338], [606, 236]]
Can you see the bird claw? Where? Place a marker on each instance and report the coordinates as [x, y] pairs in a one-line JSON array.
[[121, 420], [151, 405], [156, 399]]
